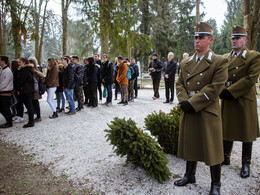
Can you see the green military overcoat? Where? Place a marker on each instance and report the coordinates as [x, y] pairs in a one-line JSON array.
[[200, 136], [239, 115]]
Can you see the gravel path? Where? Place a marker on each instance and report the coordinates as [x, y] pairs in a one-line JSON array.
[[75, 147]]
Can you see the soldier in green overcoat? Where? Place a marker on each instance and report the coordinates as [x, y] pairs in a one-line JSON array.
[[239, 105], [202, 78]]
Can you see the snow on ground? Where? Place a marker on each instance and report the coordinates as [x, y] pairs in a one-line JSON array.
[[75, 147]]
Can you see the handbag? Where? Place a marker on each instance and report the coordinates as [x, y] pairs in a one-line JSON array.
[[14, 99], [42, 87]]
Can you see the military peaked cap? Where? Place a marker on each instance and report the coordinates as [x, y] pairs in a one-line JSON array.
[[238, 31], [203, 29]]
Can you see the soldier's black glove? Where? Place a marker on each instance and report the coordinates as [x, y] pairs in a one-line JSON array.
[[186, 107], [225, 94]]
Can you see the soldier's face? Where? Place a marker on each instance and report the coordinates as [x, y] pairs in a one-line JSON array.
[[202, 42], [239, 43]]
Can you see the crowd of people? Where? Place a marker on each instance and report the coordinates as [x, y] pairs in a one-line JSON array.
[[79, 83]]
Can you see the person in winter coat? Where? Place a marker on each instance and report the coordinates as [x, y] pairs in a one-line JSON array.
[[155, 68], [169, 71], [68, 84], [36, 96], [98, 64], [59, 91], [6, 88], [52, 82], [239, 104], [117, 87], [78, 91], [92, 82], [25, 89], [202, 78], [107, 78], [123, 80], [85, 85]]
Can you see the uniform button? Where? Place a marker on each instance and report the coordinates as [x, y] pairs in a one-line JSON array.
[[188, 74], [234, 75], [188, 83], [236, 67], [198, 83], [201, 74]]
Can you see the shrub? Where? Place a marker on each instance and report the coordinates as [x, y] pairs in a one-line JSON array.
[[139, 148], [166, 128]]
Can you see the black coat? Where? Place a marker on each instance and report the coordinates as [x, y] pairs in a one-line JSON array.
[[68, 77], [99, 70], [170, 69], [92, 74], [107, 73], [85, 77], [157, 65], [115, 72], [25, 82]]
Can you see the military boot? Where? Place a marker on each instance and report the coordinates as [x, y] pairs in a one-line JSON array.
[[215, 172], [189, 176], [227, 151], [246, 159]]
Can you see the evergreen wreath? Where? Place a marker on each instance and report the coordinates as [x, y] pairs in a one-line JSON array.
[[139, 148], [166, 128]]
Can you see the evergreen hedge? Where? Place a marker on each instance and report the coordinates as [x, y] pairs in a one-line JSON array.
[[139, 148], [166, 128]]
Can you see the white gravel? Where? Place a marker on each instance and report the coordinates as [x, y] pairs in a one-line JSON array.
[[75, 146]]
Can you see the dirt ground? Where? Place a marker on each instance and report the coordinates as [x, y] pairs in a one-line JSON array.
[[19, 174]]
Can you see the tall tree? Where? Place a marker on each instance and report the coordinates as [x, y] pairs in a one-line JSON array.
[[251, 22], [64, 11], [3, 27], [39, 20]]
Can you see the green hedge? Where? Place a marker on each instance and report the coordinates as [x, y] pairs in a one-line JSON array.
[[139, 148], [166, 128]]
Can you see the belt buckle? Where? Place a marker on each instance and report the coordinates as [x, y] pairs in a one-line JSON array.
[[191, 93]]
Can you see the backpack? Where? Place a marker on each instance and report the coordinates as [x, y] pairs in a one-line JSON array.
[[129, 73], [42, 87], [35, 84]]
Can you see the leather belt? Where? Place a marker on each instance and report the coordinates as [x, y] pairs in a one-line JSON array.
[[192, 93], [228, 83]]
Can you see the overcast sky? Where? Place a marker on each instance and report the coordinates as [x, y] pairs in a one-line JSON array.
[[213, 8]]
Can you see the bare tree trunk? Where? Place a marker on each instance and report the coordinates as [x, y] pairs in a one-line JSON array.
[[104, 17], [42, 34], [255, 25], [16, 29], [251, 23], [2, 44], [65, 7], [37, 15], [128, 34], [197, 12]]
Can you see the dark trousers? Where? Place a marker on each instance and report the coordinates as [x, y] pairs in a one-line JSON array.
[[131, 89], [5, 108], [93, 94], [99, 90], [86, 93], [136, 87], [37, 108], [156, 84], [109, 93], [27, 99], [117, 89], [169, 87], [19, 107]]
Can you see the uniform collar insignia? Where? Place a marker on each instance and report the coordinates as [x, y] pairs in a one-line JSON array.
[[191, 57], [244, 54], [210, 55]]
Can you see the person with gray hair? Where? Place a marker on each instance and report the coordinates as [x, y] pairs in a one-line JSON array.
[[185, 55], [169, 70]]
